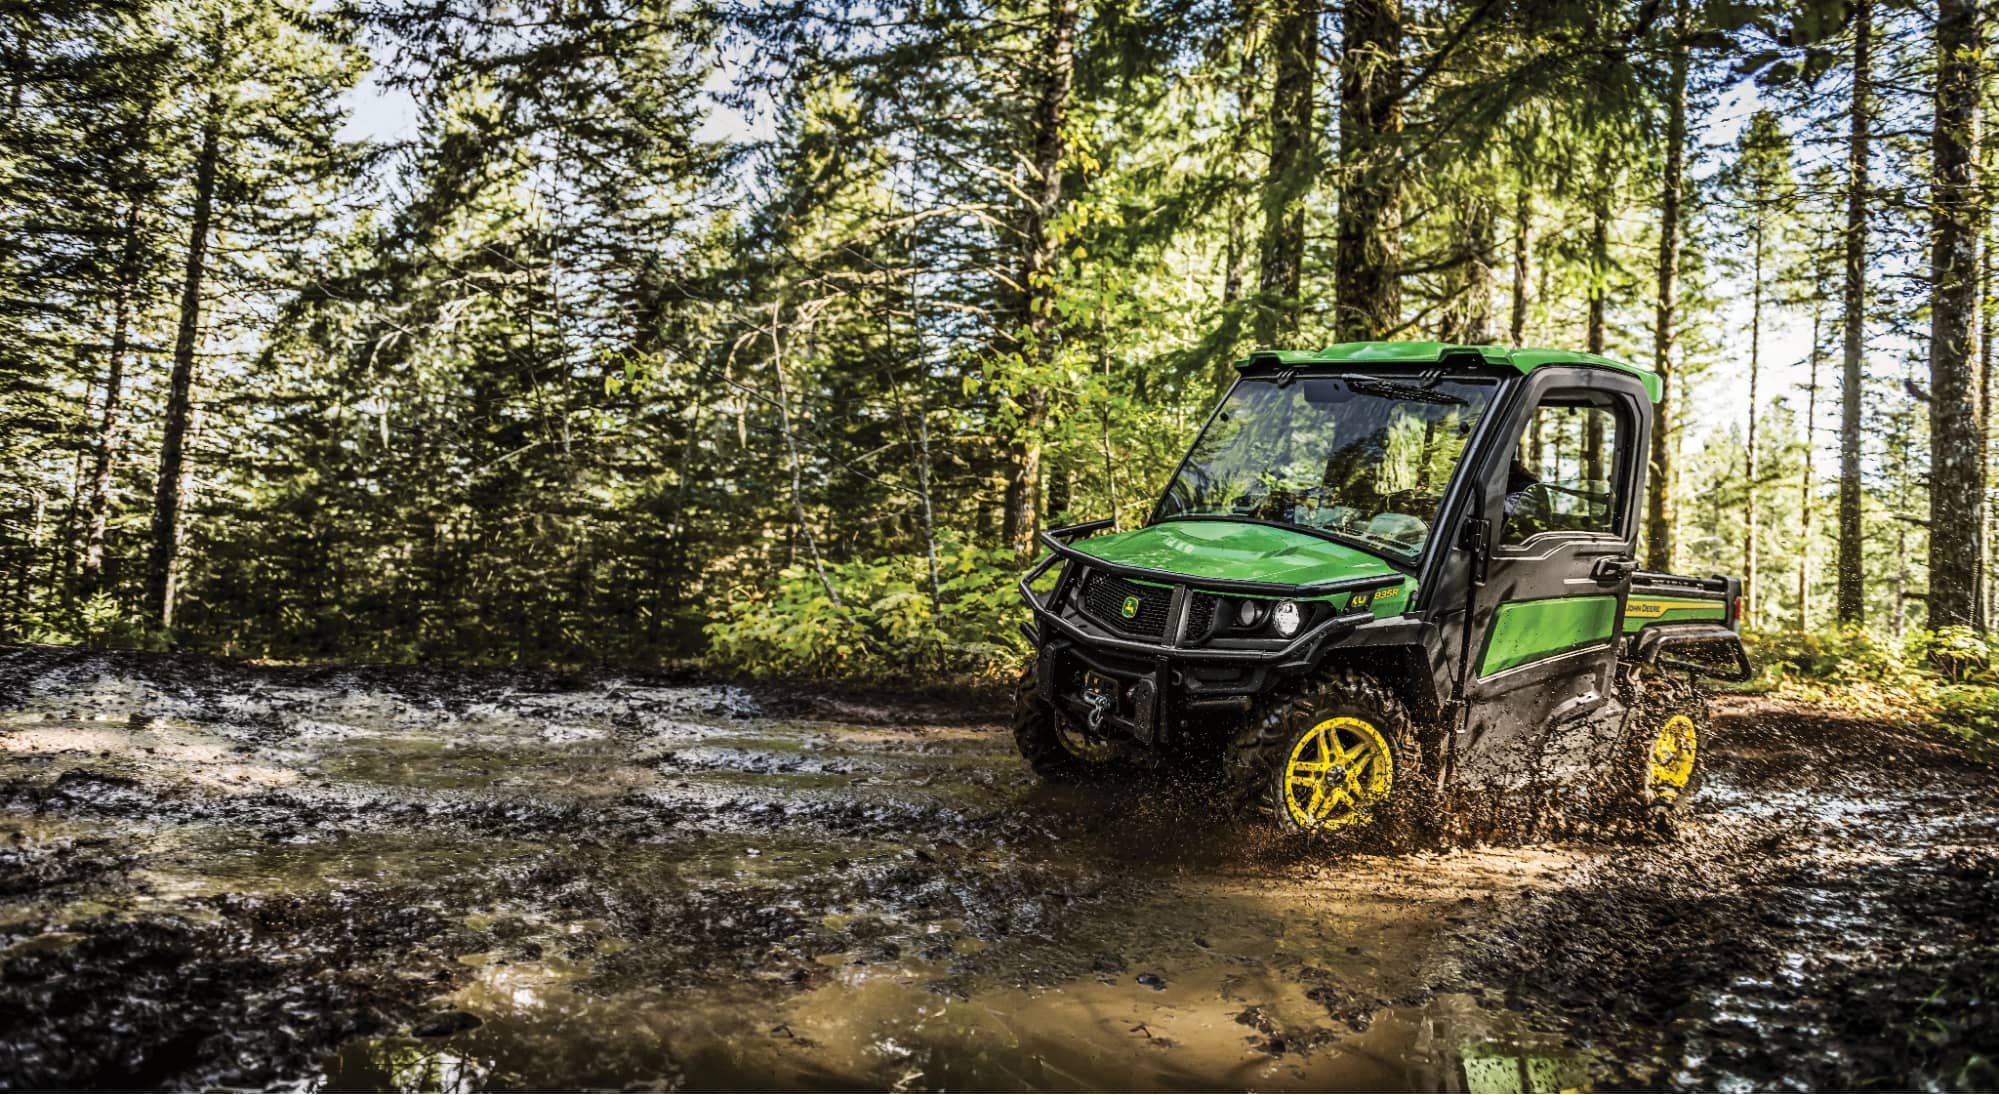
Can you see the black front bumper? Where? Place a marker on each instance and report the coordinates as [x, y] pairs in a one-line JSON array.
[[1163, 682]]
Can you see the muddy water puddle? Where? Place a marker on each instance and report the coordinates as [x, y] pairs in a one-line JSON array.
[[214, 875], [886, 1029]]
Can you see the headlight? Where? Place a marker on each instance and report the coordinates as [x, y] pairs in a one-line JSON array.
[[1286, 618], [1248, 613]]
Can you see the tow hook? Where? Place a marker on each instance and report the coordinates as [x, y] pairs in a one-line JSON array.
[[1100, 705]]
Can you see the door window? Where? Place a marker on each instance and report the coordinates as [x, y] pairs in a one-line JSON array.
[[1567, 471]]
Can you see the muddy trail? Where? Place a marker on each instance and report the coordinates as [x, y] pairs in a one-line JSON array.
[[214, 875]]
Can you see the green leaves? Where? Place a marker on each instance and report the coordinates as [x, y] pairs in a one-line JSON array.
[[888, 629]]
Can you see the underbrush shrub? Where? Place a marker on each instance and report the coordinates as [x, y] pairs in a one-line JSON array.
[[885, 626], [1942, 678]]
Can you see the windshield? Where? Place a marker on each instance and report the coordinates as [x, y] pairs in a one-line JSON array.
[[1360, 458]]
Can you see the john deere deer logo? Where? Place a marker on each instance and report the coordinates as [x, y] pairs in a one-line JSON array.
[[1130, 607]]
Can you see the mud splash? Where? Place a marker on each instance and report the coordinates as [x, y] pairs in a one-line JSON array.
[[217, 875]]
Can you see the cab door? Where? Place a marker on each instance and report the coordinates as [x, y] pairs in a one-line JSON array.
[[1561, 514]]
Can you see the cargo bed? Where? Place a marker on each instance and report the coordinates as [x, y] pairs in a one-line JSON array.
[[1686, 624]]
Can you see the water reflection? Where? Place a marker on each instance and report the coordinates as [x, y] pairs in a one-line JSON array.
[[883, 1029], [403, 1066], [1505, 1070]]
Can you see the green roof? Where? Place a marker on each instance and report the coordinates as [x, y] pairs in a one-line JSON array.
[[1430, 353]]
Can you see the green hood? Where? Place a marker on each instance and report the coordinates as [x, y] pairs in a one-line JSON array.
[[1236, 551]]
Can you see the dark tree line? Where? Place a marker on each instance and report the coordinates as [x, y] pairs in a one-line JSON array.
[[666, 314]]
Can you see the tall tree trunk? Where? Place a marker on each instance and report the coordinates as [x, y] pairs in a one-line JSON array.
[[914, 353], [24, 573], [791, 453], [1599, 274], [1957, 467], [1037, 291], [1104, 421], [1523, 228], [1986, 416], [1468, 319], [62, 563], [1242, 190], [1811, 452], [1750, 603], [1852, 604], [1293, 169], [1368, 271], [110, 424], [170, 495], [1659, 504], [1901, 578]]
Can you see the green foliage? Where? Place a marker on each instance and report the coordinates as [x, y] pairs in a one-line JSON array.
[[627, 333], [1944, 678], [884, 626]]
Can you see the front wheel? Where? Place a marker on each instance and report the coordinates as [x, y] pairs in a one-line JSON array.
[[1056, 748], [1338, 754]]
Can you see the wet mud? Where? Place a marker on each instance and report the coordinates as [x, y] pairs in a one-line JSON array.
[[214, 874]]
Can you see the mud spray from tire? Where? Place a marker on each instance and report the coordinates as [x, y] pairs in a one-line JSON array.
[[222, 875]]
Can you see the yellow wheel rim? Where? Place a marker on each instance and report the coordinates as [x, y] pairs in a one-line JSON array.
[[1338, 771], [1673, 758]]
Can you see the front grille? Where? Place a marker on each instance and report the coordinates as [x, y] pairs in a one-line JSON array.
[[1105, 595], [1200, 616]]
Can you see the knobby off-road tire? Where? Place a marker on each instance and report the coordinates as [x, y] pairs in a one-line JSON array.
[[1039, 740], [1655, 775], [1259, 763]]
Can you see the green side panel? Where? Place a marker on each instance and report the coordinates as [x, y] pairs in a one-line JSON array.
[[1641, 611], [1232, 551], [1527, 631], [1394, 600], [1429, 353]]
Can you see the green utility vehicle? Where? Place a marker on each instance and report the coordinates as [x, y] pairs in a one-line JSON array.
[[1384, 573]]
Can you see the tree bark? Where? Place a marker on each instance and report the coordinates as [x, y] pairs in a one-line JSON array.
[[1243, 192], [1957, 468], [1032, 323], [1985, 396], [1468, 319], [791, 452], [1852, 605], [1293, 169], [1523, 228], [1599, 254], [1659, 501], [1596, 336], [1750, 602], [110, 424], [1805, 478], [170, 495], [1368, 285]]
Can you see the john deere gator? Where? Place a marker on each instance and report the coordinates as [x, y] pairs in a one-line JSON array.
[[1385, 570]]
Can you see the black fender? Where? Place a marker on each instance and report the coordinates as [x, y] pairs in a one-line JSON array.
[[1704, 649]]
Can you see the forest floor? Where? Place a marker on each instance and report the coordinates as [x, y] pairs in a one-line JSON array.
[[214, 874]]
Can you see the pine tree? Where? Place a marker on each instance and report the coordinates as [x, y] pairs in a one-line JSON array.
[[1367, 292], [1762, 199], [1661, 481], [1852, 606], [1957, 468], [1292, 171]]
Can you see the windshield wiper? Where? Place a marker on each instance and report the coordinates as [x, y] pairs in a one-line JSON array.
[[1374, 385]]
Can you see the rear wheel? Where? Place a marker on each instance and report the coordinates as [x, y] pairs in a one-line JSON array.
[[1339, 754], [1665, 752], [1053, 745]]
